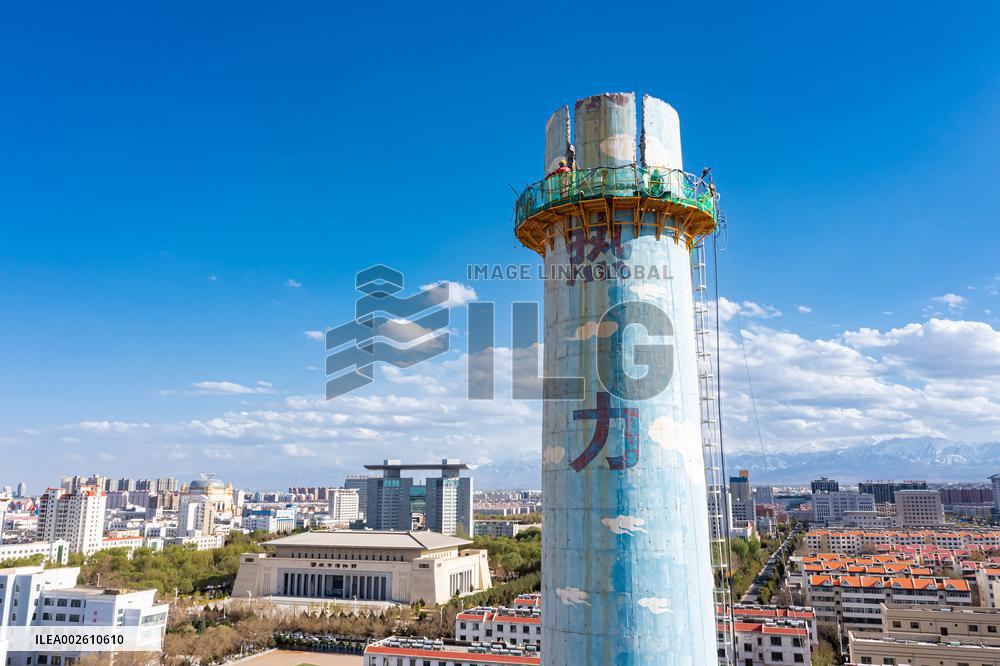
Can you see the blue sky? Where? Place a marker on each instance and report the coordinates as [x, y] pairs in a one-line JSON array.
[[168, 170]]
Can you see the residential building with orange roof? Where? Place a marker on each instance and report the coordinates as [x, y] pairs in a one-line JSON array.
[[988, 585], [854, 542], [854, 602]]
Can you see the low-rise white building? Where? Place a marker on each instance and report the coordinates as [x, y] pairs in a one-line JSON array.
[[486, 624], [35, 596], [772, 643], [503, 528], [51, 551]]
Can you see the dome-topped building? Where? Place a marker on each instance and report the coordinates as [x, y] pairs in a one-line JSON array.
[[218, 492]]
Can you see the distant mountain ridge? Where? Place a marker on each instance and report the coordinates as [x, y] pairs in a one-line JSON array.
[[925, 458]]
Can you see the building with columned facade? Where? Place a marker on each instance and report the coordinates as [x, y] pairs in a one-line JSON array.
[[384, 566]]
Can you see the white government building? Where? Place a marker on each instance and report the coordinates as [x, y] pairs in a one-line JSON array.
[[390, 567]]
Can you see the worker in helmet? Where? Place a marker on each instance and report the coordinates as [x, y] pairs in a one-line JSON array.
[[563, 173]]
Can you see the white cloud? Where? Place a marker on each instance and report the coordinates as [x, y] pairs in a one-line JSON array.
[[318, 336], [728, 310], [230, 388], [751, 309], [297, 451], [938, 377], [294, 284], [213, 278], [804, 309], [954, 302], [458, 294]]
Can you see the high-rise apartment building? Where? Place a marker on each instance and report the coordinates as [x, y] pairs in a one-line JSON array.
[[195, 516], [342, 505], [449, 505], [76, 517], [359, 483]]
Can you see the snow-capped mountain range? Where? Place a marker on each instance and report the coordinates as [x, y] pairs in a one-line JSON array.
[[926, 458]]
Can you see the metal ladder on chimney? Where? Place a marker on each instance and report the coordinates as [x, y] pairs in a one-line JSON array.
[[712, 449]]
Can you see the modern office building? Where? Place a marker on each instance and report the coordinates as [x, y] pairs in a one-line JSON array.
[[76, 517], [384, 566], [995, 482], [921, 508], [741, 499], [829, 507], [824, 485], [885, 491], [448, 497], [388, 506]]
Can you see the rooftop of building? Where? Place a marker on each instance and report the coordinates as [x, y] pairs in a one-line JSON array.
[[775, 612], [773, 627], [882, 638], [492, 653], [502, 614], [447, 463], [907, 583], [926, 608], [423, 540], [964, 532]]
